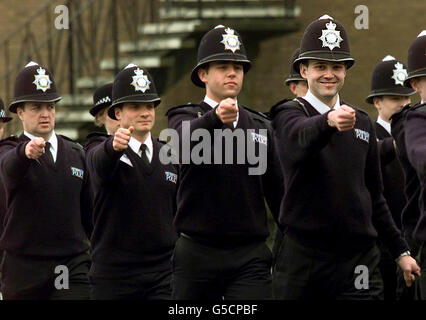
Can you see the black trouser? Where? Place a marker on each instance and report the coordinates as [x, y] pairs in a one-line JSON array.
[[144, 286], [204, 272], [305, 273], [278, 238], [26, 278]]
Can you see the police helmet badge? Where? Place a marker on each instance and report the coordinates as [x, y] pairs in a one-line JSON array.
[[230, 40], [140, 81], [42, 80], [330, 37], [399, 74]]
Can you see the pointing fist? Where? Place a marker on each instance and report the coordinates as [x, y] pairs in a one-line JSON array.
[[343, 118], [122, 138], [35, 148], [227, 111]]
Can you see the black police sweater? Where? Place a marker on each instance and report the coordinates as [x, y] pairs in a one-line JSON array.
[[333, 191], [411, 212], [45, 211], [392, 174], [134, 207], [221, 204], [415, 138]]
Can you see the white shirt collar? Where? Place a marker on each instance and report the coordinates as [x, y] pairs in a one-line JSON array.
[[384, 124], [136, 146], [53, 140], [213, 104], [320, 106]]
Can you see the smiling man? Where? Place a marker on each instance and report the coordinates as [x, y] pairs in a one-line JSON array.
[[221, 252], [333, 207], [134, 198], [45, 181]]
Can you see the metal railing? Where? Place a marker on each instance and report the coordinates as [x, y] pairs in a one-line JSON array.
[[95, 27]]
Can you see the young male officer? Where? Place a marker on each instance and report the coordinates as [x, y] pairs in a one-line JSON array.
[[333, 201], [44, 176], [388, 94], [295, 82], [415, 141], [134, 198], [221, 216]]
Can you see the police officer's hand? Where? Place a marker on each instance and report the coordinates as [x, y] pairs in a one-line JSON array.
[[227, 110], [410, 268], [35, 148], [122, 138], [343, 118]]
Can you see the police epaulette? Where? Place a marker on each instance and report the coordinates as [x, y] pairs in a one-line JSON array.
[[76, 144], [96, 134], [189, 104], [258, 115], [14, 139], [420, 107], [279, 103]]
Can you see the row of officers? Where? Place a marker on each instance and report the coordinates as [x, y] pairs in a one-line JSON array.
[[345, 192]]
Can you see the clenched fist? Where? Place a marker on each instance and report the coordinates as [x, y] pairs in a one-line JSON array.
[[35, 148], [409, 268], [343, 118], [227, 111], [122, 138]]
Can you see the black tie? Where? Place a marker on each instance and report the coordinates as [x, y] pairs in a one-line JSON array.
[[48, 154], [144, 157]]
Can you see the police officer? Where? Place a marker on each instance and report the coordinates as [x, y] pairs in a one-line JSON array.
[[412, 188], [43, 173], [415, 141], [221, 216], [295, 82], [102, 99], [333, 206], [388, 94], [135, 198], [3, 120]]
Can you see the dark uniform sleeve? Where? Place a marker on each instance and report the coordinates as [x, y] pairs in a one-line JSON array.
[[208, 121], [299, 136], [387, 151], [14, 164], [102, 161], [382, 218], [273, 181], [415, 139], [86, 202]]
